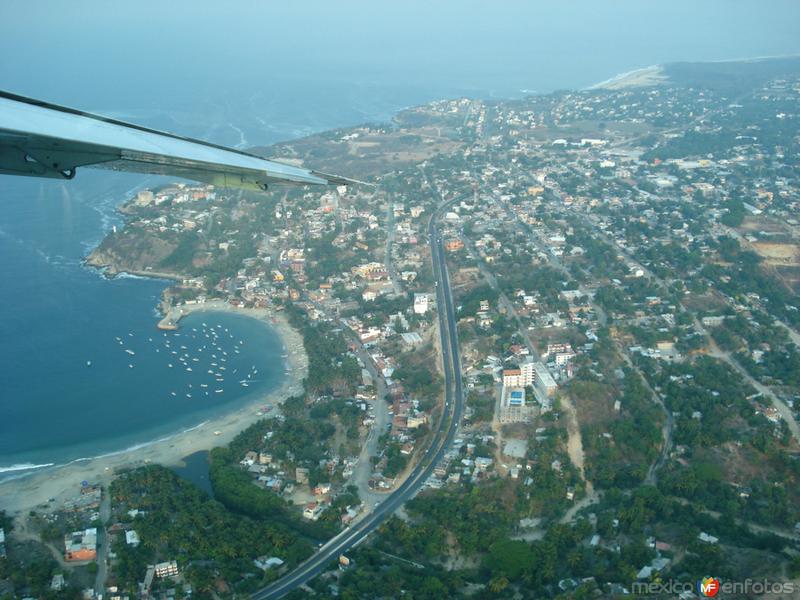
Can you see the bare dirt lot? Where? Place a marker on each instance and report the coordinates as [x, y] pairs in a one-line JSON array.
[[778, 253]]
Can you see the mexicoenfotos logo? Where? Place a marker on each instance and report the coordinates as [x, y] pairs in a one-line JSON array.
[[708, 587]]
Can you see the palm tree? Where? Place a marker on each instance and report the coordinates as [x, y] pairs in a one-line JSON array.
[[498, 583]]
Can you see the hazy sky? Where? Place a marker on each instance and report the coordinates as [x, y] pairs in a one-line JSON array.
[[113, 52]]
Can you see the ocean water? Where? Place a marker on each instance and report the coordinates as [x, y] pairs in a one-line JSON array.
[[84, 369]]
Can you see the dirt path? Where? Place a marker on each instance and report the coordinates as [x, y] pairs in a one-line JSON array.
[[23, 533], [576, 456], [574, 441], [782, 408], [785, 412], [793, 335]]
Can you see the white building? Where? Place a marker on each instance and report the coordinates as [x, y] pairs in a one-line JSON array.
[[530, 373], [514, 407], [166, 569], [422, 303], [132, 538], [144, 198]]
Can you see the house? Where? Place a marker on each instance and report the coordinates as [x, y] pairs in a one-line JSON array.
[[265, 563], [422, 303], [453, 245], [708, 539], [132, 538], [350, 514], [81, 545], [482, 463], [249, 459], [322, 489], [312, 510], [57, 583], [658, 565], [414, 421], [301, 475]]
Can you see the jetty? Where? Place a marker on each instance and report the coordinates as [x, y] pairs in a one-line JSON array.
[[171, 318]]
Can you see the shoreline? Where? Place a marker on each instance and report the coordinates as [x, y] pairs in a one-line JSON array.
[[640, 77], [62, 482]]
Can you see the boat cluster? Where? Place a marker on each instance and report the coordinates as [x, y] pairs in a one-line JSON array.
[[217, 345]]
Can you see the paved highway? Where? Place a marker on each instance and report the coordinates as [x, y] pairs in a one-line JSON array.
[[443, 437]]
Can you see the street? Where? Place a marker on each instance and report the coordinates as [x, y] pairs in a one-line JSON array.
[[442, 438]]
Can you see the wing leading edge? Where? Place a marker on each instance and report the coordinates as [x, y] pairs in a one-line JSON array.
[[40, 139]]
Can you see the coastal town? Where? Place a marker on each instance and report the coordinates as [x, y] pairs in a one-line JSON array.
[[625, 270]]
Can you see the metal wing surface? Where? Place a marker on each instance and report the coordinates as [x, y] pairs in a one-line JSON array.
[[40, 139]]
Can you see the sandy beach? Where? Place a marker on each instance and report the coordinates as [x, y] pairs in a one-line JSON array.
[[63, 482], [644, 77]]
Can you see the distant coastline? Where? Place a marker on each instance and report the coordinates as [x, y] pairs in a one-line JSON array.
[[641, 77], [37, 484]]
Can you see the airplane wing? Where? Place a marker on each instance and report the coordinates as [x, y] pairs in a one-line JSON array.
[[40, 139]]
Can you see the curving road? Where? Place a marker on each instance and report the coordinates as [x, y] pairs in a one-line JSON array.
[[442, 438]]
